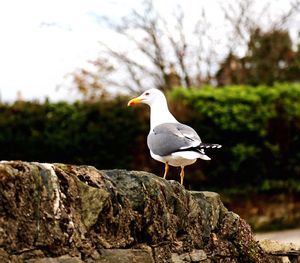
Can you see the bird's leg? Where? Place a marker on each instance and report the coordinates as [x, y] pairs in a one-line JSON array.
[[181, 174], [166, 169]]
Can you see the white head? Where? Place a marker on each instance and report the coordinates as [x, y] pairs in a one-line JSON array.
[[158, 105], [149, 97]]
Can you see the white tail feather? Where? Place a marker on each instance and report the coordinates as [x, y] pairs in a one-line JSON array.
[[190, 155], [204, 157]]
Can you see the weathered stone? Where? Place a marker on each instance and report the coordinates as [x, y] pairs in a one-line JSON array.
[[287, 252], [198, 255], [175, 258], [124, 256], [62, 259], [212, 209], [57, 212], [272, 246], [183, 258]]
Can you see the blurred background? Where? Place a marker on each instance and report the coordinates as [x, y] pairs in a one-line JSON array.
[[230, 69]]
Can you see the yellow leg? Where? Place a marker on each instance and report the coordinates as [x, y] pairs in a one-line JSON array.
[[166, 170], [181, 174]]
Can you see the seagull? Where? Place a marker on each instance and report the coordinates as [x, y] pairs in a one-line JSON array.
[[170, 141]]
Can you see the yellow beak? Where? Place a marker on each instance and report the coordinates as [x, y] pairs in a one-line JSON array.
[[134, 101]]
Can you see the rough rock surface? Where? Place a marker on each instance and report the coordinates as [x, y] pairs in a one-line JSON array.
[[62, 213], [289, 253]]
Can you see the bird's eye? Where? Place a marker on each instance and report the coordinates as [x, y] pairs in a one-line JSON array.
[[147, 93]]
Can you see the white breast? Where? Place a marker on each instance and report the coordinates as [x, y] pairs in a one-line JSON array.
[[177, 159]]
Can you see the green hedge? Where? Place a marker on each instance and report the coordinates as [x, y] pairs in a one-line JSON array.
[[93, 134], [259, 128]]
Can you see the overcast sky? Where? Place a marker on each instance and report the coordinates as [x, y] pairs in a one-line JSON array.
[[43, 40]]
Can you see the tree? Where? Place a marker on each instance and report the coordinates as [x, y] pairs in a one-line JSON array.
[[268, 54], [92, 83], [164, 48], [269, 58], [163, 52]]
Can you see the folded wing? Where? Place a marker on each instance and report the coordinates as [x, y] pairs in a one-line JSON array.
[[168, 138]]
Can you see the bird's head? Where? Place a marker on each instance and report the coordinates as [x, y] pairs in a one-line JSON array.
[[149, 97]]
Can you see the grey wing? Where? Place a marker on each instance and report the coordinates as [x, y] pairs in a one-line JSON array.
[[168, 138]]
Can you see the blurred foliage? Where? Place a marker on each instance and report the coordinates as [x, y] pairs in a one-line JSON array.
[[94, 134], [92, 83], [259, 128], [270, 57]]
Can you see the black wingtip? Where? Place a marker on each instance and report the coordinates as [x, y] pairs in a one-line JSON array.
[[210, 145]]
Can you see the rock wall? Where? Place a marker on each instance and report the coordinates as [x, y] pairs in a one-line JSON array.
[[64, 213]]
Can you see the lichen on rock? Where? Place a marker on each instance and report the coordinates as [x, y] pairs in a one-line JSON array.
[[60, 212]]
